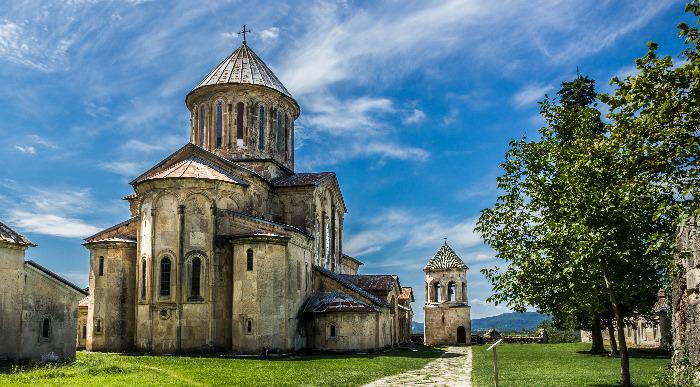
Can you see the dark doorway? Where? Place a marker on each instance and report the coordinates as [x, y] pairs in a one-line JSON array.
[[461, 335]]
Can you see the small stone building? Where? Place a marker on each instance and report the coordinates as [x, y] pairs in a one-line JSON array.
[[447, 311], [228, 247], [38, 309]]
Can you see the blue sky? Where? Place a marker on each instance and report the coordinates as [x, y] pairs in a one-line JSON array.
[[412, 104]]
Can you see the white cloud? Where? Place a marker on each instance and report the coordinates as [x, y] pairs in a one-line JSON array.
[[270, 34], [50, 224], [26, 149], [414, 117], [530, 94], [125, 168], [20, 46]]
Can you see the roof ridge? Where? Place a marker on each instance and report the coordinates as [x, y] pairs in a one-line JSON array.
[[55, 276], [351, 286]]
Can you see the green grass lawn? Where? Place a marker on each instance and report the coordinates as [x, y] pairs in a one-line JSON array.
[[115, 369], [560, 365]]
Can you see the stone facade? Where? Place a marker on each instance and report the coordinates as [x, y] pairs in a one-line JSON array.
[[447, 311], [38, 309], [686, 302], [227, 246]]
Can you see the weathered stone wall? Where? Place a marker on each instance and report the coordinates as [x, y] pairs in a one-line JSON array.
[[112, 297], [45, 297], [81, 327], [686, 301], [353, 331], [12, 279], [442, 323]]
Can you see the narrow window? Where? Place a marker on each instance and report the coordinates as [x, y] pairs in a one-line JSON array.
[[195, 283], [84, 331], [261, 128], [249, 326], [239, 121], [286, 136], [143, 279], [452, 292], [98, 325], [219, 125], [101, 265], [280, 135], [249, 260], [45, 328], [332, 330], [306, 276], [438, 293], [165, 277], [290, 139], [201, 125], [333, 236]]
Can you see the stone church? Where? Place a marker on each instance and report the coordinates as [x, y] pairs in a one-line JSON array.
[[228, 248], [447, 311]]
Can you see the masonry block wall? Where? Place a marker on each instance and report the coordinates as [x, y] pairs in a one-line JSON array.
[[686, 299]]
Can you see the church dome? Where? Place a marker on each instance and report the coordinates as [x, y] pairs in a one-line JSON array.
[[243, 66]]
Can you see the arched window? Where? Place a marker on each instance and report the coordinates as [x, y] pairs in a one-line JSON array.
[[332, 333], [143, 278], [249, 326], [261, 128], [239, 121], [452, 292], [165, 277], [45, 328], [101, 268], [438, 292], [249, 260], [280, 135], [219, 125], [201, 125], [195, 281]]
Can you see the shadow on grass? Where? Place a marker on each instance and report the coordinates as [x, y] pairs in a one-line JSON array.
[[637, 353]]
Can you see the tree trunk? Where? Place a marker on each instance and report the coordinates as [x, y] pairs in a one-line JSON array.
[[597, 347], [613, 342], [619, 322]]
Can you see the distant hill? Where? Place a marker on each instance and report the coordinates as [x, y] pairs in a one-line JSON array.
[[509, 322], [417, 327]]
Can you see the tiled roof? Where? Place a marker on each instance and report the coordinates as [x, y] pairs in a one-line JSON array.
[[371, 283], [129, 196], [84, 302], [55, 276], [445, 258], [284, 226], [329, 302], [9, 235], [194, 167], [341, 280], [661, 305], [244, 66], [302, 179], [122, 232]]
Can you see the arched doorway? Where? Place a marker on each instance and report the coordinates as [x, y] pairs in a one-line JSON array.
[[461, 335]]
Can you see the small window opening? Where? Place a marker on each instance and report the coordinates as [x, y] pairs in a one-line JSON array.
[[101, 268], [201, 125], [196, 271], [261, 128], [143, 279], [45, 328], [98, 325], [249, 326], [239, 121], [332, 330], [249, 260], [165, 277], [219, 124]]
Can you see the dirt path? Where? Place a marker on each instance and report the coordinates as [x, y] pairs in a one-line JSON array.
[[453, 368]]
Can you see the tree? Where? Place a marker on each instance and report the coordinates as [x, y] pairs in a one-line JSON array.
[[575, 221]]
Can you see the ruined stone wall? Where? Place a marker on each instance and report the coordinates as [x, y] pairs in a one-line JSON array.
[[45, 297], [686, 302], [111, 317], [442, 323]]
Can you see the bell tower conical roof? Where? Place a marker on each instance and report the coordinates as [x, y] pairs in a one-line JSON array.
[[243, 66], [445, 258]]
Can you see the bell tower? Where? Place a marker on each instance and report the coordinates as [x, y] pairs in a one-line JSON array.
[[242, 112], [447, 311]]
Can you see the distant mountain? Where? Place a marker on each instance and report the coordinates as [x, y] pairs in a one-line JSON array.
[[509, 322], [417, 327]]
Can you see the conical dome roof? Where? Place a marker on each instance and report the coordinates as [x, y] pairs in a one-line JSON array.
[[445, 258], [244, 66]]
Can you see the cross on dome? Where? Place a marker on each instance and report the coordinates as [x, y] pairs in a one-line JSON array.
[[243, 32]]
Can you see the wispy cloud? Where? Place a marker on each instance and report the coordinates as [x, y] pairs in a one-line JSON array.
[[414, 117], [530, 94], [125, 168], [26, 149], [269, 34]]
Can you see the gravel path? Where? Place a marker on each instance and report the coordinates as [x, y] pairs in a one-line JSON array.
[[453, 368]]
